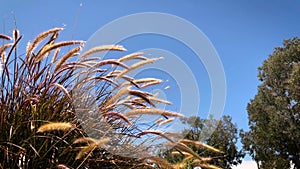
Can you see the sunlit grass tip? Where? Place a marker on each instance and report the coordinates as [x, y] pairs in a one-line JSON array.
[[55, 126]]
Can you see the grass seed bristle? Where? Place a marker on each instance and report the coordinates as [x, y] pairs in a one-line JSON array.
[[86, 149], [200, 144], [3, 48], [55, 126], [68, 55], [85, 140], [55, 55], [103, 48], [152, 112], [117, 96], [111, 62], [91, 147], [158, 120], [150, 84], [180, 153], [121, 116], [50, 47], [183, 148], [137, 55], [137, 65], [146, 81], [2, 36], [157, 100], [166, 121], [15, 34], [32, 46]]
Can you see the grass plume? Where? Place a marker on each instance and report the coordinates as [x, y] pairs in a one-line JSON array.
[[55, 126], [200, 144], [152, 112], [103, 48], [36, 89]]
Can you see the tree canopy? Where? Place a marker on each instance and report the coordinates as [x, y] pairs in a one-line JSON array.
[[274, 113]]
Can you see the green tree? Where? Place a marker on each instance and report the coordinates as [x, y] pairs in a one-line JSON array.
[[224, 138], [274, 113]]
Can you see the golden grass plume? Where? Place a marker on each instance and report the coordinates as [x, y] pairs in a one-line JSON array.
[[103, 48], [68, 55], [40, 38], [55, 126], [200, 144], [166, 121], [137, 55], [152, 111], [158, 120], [117, 96], [93, 144], [49, 47], [137, 65]]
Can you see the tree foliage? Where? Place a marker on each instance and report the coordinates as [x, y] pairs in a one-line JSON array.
[[274, 113]]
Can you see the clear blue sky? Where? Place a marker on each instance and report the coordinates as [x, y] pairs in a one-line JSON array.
[[243, 32]]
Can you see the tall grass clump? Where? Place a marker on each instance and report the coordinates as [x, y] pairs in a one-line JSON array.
[[48, 120]]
